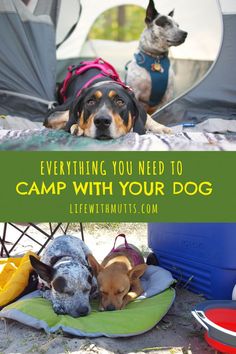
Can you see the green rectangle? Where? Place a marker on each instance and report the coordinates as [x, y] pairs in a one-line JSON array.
[[118, 186]]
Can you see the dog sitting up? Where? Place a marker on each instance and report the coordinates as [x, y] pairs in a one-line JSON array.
[[65, 276], [149, 73], [118, 276]]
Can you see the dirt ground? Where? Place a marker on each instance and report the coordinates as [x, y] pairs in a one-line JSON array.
[[178, 332]]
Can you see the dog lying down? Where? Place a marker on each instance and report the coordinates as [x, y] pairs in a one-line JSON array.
[[94, 102], [118, 276], [66, 276]]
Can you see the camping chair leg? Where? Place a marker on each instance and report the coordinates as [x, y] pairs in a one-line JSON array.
[[48, 236], [64, 230], [22, 234], [81, 230], [50, 226], [13, 245], [6, 253], [3, 249], [2, 241]]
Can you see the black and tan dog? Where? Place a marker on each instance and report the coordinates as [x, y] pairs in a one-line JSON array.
[[105, 109]]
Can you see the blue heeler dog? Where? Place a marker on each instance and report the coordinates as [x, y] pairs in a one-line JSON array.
[[66, 277], [149, 73]]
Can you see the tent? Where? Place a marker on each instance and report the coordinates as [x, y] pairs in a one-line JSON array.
[[194, 57], [39, 38], [213, 99], [28, 55]]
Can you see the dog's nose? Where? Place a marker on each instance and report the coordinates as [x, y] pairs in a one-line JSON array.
[[102, 122], [82, 311], [110, 307], [185, 34]]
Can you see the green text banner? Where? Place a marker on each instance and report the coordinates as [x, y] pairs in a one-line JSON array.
[[118, 186]]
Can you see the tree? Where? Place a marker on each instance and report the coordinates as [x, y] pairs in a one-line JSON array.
[[121, 20]]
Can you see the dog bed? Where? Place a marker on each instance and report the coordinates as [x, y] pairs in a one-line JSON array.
[[138, 317]]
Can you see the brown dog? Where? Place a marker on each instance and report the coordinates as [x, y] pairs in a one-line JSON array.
[[118, 276]]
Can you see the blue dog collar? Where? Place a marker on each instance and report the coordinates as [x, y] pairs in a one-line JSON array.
[[158, 69]]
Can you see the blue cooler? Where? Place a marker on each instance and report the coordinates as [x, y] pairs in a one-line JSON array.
[[202, 255]]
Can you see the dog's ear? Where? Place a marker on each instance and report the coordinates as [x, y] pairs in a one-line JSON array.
[[96, 267], [43, 270], [76, 108], [139, 115], [171, 14], [136, 272], [140, 121], [151, 13]]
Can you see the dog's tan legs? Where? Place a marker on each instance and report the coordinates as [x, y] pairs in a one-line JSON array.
[[57, 120], [155, 127], [136, 290]]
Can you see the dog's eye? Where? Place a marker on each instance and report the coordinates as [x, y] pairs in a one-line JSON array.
[[90, 279], [91, 102], [104, 293], [162, 22], [120, 291], [69, 292], [119, 102], [85, 291]]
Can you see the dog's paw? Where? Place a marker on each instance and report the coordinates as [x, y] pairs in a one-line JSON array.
[[160, 129], [57, 120], [156, 127], [166, 130], [58, 309], [76, 130]]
